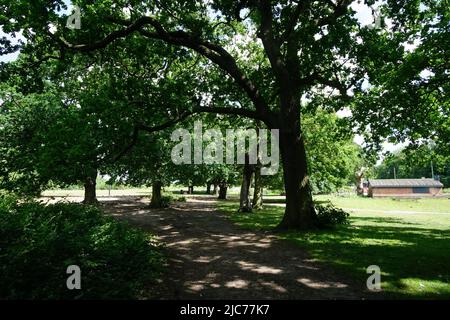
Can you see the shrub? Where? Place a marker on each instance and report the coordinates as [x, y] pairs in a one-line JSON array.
[[322, 186], [329, 216], [7, 200], [169, 198], [180, 199], [38, 243], [166, 200]]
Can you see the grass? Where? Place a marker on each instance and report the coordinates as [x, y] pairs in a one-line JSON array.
[[100, 193], [103, 191], [441, 205], [412, 249]]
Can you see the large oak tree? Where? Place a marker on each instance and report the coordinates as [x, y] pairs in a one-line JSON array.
[[306, 52]]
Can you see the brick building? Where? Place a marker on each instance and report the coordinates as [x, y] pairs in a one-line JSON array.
[[404, 187]]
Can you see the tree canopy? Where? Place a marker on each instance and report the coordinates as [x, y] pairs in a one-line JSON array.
[[271, 61]]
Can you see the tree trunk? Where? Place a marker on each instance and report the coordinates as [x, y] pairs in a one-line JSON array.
[[245, 204], [257, 202], [299, 212], [223, 188], [90, 194], [214, 192], [359, 182], [208, 188], [156, 201]]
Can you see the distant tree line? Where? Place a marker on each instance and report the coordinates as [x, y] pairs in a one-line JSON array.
[[423, 161]]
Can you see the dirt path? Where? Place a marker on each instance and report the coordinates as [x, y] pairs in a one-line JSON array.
[[212, 258]]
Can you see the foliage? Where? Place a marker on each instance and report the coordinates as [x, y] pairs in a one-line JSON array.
[[39, 242], [406, 97], [333, 157], [271, 61], [45, 140], [7, 199], [329, 216], [167, 198], [416, 162]]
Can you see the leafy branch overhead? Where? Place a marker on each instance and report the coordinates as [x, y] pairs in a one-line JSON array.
[[271, 61]]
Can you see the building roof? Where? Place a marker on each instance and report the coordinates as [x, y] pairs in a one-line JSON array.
[[404, 183]]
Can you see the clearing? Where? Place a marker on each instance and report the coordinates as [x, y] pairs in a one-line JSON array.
[[409, 239], [213, 258], [209, 257]]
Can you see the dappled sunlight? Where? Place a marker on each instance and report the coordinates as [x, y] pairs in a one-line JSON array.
[[206, 259], [258, 268], [320, 285], [186, 242], [423, 286], [194, 286], [238, 284], [378, 242], [274, 286], [210, 257], [406, 246], [244, 243]]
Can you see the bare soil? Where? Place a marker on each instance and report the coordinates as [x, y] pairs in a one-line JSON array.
[[209, 257]]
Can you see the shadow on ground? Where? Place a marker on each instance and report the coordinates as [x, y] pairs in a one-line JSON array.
[[414, 258], [211, 258]]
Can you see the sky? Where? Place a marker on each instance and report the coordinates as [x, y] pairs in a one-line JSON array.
[[364, 16], [11, 56]]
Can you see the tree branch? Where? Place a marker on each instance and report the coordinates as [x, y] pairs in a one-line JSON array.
[[293, 20], [339, 10], [271, 44], [134, 140], [333, 83], [213, 52], [218, 110]]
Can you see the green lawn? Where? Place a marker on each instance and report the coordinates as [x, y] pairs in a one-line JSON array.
[[100, 193], [388, 204], [412, 249]]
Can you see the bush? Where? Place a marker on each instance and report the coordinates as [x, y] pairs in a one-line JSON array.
[[180, 199], [169, 198], [7, 200], [166, 200], [38, 243], [322, 186], [329, 216]]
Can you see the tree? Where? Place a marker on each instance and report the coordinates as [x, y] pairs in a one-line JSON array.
[[148, 163], [257, 201], [42, 141], [330, 149], [333, 155], [312, 49], [415, 162], [72, 127], [245, 205], [407, 89]]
